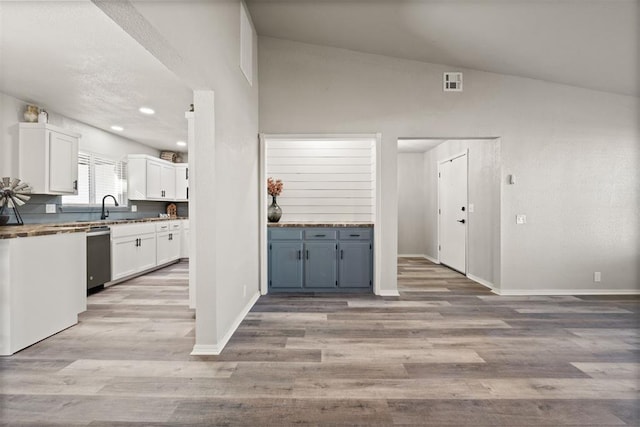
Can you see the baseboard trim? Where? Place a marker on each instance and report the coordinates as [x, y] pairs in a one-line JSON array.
[[388, 293], [216, 349], [544, 292], [433, 260], [483, 282]]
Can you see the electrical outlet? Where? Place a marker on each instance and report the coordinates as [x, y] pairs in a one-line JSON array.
[[134, 208], [50, 208], [597, 276], [521, 219]]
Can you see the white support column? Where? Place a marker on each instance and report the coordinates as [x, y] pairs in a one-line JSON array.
[[202, 222]]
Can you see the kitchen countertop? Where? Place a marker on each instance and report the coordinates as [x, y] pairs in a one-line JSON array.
[[32, 230], [321, 224]]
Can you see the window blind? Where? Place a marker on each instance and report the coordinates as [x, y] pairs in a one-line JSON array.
[[97, 177]]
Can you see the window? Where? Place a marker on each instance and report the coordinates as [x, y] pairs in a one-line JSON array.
[[97, 177]]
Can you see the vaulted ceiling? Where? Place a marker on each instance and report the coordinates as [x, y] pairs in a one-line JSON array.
[[69, 56], [587, 43]]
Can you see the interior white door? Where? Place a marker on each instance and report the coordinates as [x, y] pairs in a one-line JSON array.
[[452, 194]]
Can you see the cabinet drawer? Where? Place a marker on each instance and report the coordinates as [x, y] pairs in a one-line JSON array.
[[162, 226], [355, 234], [285, 234], [319, 234]]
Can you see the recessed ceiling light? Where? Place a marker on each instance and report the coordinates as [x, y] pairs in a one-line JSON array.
[[181, 143], [146, 110], [118, 128]]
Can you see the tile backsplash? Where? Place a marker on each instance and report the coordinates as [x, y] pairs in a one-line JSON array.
[[34, 212]]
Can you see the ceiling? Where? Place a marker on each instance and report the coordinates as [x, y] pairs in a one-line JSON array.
[[587, 43], [69, 57]]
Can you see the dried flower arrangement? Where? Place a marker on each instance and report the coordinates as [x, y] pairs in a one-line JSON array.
[[274, 187]]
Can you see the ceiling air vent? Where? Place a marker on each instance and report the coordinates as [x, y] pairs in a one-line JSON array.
[[452, 82]]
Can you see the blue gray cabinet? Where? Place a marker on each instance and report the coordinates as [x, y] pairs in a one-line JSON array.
[[320, 265], [312, 259], [285, 264]]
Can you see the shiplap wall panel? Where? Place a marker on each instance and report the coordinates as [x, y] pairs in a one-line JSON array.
[[324, 179]]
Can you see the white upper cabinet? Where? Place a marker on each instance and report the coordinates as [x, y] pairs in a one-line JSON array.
[[151, 178], [182, 181], [48, 158]]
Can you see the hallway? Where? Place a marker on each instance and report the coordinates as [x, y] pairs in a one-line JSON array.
[[446, 352]]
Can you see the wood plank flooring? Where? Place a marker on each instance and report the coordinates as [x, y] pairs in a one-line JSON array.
[[447, 352]]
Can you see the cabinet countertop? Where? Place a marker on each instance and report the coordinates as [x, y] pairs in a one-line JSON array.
[[321, 224], [32, 230]]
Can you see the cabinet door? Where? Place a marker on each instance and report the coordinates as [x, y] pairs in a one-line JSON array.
[[63, 163], [182, 182], [320, 265], [163, 248], [184, 246], [146, 255], [124, 254], [174, 245], [285, 264], [355, 264], [168, 180], [154, 180]]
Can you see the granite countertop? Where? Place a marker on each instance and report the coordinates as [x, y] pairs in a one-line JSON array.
[[32, 230], [321, 224]]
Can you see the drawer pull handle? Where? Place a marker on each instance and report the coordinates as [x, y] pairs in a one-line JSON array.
[[341, 253], [354, 235], [299, 254], [321, 235], [307, 253]]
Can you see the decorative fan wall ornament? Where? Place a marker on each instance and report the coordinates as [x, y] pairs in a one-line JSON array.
[[13, 194]]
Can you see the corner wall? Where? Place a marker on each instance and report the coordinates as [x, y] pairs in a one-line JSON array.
[[575, 153]]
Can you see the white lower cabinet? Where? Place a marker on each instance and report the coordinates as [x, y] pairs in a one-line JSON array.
[[168, 241], [133, 249], [184, 247]]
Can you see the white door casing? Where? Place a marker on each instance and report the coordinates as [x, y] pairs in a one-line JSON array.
[[453, 218]]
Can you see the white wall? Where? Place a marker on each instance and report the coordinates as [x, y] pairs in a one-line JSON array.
[[412, 205], [93, 140], [575, 152], [205, 36]]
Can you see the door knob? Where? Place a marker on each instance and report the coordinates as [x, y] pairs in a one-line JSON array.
[[462, 221]]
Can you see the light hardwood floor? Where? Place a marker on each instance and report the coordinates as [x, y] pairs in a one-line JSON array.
[[446, 352]]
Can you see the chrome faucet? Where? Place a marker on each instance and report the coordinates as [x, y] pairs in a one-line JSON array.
[[105, 214]]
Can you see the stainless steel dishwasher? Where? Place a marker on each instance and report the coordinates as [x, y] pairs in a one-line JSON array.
[[98, 256]]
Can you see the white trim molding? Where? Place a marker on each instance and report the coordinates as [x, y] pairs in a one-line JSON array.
[[388, 293], [483, 282], [543, 292], [216, 349]]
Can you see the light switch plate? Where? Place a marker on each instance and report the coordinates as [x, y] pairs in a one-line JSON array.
[[521, 219], [50, 208]]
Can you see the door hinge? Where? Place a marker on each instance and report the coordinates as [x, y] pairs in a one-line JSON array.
[[270, 247], [370, 283], [336, 283], [439, 175], [439, 211], [439, 247], [269, 282], [336, 247], [370, 247]]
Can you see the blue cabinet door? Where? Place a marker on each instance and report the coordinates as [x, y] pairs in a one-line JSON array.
[[285, 264], [355, 264], [320, 264]]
